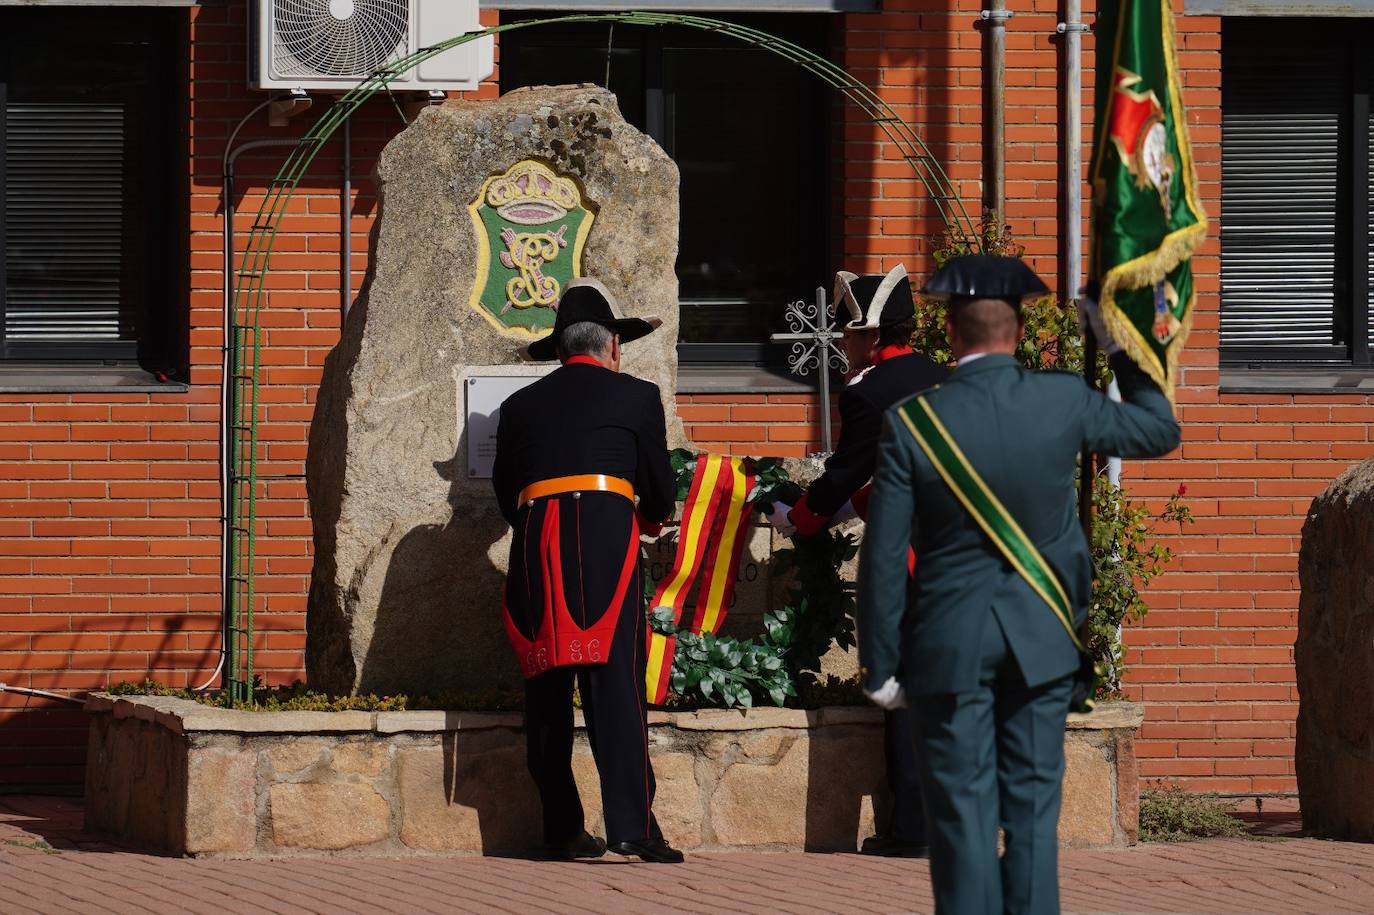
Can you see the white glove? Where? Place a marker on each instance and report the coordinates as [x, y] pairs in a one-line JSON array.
[[778, 518], [1090, 318], [846, 512], [890, 695]]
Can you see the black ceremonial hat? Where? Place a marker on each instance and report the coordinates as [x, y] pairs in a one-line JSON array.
[[984, 276], [585, 299], [874, 300]]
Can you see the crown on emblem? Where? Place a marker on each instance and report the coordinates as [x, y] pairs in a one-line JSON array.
[[530, 194]]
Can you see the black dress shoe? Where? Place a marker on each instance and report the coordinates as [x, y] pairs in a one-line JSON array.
[[584, 846], [655, 850], [890, 847]]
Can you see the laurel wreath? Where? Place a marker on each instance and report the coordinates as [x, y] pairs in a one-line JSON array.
[[723, 671]]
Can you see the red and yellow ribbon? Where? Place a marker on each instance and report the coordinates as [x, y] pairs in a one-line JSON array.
[[714, 519]]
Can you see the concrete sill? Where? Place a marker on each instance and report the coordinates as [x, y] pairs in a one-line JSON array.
[[743, 379], [84, 379]]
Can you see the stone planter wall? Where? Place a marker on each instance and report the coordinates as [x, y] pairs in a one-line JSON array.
[[185, 778]]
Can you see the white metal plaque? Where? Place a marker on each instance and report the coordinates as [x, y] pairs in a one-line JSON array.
[[483, 396]]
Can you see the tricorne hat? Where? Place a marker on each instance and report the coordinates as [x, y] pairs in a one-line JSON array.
[[984, 276], [874, 300], [586, 299]]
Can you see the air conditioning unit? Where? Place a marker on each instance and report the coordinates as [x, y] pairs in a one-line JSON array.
[[332, 45]]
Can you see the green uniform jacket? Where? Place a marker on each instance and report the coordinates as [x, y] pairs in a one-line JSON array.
[[1022, 431]]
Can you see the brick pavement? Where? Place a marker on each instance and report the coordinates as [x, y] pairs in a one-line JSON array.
[[81, 874]]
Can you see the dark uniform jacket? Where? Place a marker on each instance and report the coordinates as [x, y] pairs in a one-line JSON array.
[[574, 562], [1022, 431], [862, 405]]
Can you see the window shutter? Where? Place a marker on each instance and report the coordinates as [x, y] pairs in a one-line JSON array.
[[66, 218], [1281, 218]]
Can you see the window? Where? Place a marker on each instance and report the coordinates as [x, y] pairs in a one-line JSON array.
[[1296, 193], [750, 134], [90, 254]]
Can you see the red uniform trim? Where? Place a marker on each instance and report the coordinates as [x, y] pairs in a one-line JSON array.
[[891, 351], [559, 640], [584, 360]]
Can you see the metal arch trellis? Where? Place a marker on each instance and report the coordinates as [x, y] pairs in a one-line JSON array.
[[250, 278]]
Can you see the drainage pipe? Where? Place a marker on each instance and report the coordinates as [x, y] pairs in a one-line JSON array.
[[346, 224], [995, 187], [1071, 180], [6, 688]]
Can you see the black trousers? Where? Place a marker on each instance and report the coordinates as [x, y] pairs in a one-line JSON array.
[[614, 708], [908, 821]]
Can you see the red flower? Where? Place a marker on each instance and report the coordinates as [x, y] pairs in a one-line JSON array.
[[1182, 489]]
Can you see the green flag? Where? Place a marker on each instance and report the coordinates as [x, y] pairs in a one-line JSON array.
[[1146, 216]]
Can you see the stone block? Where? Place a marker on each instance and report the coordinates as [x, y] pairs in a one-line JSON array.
[[757, 804], [294, 754], [848, 778], [1087, 816], [678, 803], [741, 719], [328, 816], [472, 793], [221, 801], [360, 757]]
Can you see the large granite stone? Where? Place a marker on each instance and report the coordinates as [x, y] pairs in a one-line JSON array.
[[409, 552], [328, 816], [1334, 656], [220, 795], [471, 793]]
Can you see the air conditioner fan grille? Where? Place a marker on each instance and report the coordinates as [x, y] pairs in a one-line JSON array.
[[338, 37]]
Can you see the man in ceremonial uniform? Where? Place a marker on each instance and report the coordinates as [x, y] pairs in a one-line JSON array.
[[883, 370], [581, 468], [978, 476]]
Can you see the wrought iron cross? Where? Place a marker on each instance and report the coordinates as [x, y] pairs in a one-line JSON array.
[[813, 346]]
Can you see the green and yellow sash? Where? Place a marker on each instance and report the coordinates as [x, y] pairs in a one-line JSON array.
[[992, 516]]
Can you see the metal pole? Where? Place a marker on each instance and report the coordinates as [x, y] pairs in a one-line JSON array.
[[823, 345], [346, 224], [995, 187], [1071, 185]]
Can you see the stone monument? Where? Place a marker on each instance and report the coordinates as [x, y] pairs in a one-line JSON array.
[[1334, 656], [487, 209]]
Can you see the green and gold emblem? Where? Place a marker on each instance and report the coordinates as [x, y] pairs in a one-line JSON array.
[[532, 224]]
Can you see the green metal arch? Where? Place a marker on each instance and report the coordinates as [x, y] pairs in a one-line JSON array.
[[251, 276]]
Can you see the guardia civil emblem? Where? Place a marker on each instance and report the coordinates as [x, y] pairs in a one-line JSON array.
[[532, 224]]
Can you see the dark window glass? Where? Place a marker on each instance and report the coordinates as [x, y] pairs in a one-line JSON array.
[[88, 167], [1295, 255], [748, 131]]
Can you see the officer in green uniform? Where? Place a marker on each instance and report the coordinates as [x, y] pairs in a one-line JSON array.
[[988, 663]]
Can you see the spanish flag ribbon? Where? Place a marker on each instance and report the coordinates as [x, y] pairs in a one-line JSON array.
[[711, 539]]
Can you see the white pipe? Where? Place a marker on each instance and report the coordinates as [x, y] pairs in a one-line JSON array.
[[6, 688]]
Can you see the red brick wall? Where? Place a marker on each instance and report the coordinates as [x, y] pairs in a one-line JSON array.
[[109, 503]]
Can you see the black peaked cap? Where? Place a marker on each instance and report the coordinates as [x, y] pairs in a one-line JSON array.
[[984, 276]]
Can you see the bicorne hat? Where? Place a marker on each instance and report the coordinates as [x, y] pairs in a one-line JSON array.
[[874, 300], [984, 276], [585, 299]]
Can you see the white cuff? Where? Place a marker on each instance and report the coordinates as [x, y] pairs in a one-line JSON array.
[[778, 518], [890, 695]]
